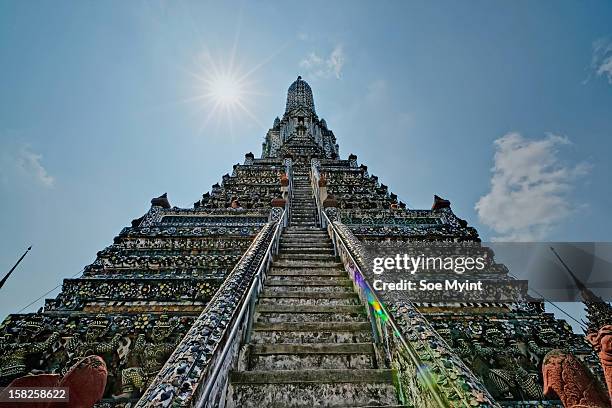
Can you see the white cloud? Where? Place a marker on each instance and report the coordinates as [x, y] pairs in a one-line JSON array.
[[602, 58], [530, 188], [318, 66], [30, 163]]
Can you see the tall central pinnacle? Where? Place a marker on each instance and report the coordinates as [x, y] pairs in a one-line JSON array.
[[300, 132], [299, 95]]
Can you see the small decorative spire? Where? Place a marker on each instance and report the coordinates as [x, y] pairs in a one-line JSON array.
[[161, 201], [440, 203]]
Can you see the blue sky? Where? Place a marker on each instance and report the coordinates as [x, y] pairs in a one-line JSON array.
[[503, 108]]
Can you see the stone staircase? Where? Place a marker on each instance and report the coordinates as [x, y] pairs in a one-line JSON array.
[[311, 343]]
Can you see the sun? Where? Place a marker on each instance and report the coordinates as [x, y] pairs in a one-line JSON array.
[[226, 90]]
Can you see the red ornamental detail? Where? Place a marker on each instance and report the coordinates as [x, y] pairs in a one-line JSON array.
[[86, 381], [278, 202], [284, 180], [566, 377], [602, 342], [322, 181]]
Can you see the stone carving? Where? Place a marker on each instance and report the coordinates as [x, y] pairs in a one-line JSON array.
[[85, 380], [602, 342], [566, 377], [15, 352]]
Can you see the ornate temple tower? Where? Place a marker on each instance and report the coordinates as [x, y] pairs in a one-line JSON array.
[[258, 296], [300, 127]]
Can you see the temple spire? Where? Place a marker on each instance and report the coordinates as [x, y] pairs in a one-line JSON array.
[[299, 95]]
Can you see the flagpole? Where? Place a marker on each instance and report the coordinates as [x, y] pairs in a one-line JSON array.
[[14, 266]]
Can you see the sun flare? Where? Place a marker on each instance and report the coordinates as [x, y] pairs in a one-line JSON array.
[[226, 90]]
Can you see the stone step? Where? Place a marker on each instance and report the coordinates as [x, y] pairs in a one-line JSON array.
[[307, 242], [314, 327], [312, 332], [311, 309], [300, 230], [312, 236], [292, 245], [309, 279], [302, 313], [302, 263], [308, 298], [312, 388], [308, 317], [303, 230], [294, 256], [345, 282], [310, 272], [329, 288], [313, 348], [323, 356]]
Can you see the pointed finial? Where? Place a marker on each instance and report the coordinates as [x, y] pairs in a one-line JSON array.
[[299, 77]]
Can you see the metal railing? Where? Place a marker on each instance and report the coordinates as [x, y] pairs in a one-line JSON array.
[[387, 335]]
